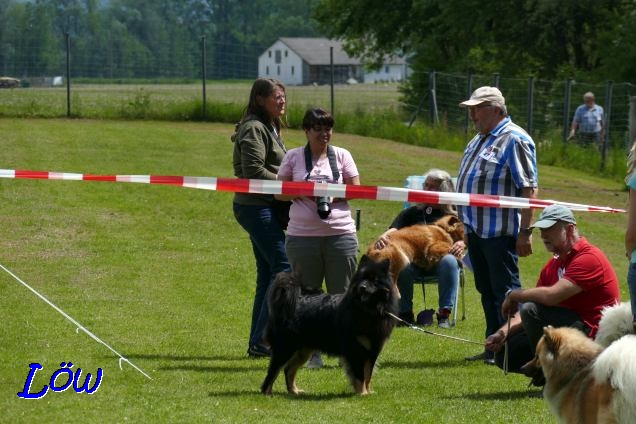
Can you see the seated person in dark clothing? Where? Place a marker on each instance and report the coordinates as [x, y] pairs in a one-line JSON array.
[[447, 270]]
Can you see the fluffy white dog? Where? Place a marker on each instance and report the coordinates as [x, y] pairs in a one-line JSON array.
[[617, 362], [617, 365], [616, 321]]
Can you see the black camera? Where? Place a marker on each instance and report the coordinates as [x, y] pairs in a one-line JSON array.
[[323, 207]]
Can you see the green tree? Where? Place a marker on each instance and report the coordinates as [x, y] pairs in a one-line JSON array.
[[545, 38]]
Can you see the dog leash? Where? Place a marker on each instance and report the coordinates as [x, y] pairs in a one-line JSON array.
[[415, 327]]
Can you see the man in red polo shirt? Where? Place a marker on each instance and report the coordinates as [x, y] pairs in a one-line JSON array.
[[573, 288]]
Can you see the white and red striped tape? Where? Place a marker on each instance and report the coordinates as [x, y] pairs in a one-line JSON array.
[[295, 188]]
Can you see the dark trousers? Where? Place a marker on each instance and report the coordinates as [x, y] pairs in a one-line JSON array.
[[495, 268], [268, 244], [534, 316]]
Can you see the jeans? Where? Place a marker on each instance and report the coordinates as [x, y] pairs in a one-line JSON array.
[[496, 270], [631, 283], [268, 244], [447, 274]]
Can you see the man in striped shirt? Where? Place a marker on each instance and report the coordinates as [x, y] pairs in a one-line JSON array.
[[499, 160]]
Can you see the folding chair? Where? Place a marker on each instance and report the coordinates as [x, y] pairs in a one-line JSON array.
[[416, 182], [462, 281]]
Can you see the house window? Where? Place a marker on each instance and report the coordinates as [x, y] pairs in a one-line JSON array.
[[386, 69], [277, 56], [267, 70], [269, 54], [292, 70], [278, 70], [286, 53]]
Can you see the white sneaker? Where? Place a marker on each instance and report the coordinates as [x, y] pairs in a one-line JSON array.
[[315, 361]]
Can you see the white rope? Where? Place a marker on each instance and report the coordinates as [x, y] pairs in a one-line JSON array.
[[415, 327], [79, 326]]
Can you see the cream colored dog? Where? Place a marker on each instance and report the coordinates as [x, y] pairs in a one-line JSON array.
[[584, 382]]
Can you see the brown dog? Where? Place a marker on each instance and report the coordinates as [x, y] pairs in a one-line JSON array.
[[583, 382], [423, 245]]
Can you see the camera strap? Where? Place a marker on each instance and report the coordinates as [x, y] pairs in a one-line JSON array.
[[331, 155]]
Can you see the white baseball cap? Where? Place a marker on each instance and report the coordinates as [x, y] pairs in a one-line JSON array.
[[486, 94]]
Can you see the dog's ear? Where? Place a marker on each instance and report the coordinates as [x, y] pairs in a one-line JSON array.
[[453, 220], [551, 339]]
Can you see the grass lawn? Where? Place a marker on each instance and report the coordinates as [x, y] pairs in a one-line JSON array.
[[116, 100], [165, 276]]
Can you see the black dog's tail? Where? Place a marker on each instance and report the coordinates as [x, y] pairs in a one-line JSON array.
[[283, 296]]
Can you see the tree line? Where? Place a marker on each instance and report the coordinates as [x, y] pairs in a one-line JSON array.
[[145, 38], [580, 39], [589, 40]]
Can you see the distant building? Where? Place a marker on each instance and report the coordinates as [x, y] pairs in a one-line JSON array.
[[303, 61]]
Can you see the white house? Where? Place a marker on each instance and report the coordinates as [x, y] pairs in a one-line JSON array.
[[302, 61], [394, 69]]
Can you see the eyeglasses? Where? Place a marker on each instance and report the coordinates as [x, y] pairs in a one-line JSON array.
[[319, 128]]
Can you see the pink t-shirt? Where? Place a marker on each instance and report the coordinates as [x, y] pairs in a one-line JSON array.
[[303, 218]]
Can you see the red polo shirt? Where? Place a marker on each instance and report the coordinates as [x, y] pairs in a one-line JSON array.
[[587, 267]]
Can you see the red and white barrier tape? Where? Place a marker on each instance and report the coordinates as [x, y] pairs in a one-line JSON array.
[[296, 188]]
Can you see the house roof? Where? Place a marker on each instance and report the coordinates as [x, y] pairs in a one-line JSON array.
[[315, 51]]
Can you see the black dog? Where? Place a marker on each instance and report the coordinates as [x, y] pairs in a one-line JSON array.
[[354, 325]]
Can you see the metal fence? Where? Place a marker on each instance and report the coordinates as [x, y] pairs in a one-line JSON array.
[[544, 107]]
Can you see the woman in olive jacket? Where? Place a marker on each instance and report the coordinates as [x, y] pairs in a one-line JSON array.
[[258, 152]]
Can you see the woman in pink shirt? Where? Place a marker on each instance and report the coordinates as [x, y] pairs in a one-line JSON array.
[[321, 246]]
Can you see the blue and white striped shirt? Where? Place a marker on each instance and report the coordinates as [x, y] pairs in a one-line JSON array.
[[501, 163]]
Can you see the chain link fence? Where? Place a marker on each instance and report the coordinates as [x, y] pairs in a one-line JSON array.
[[543, 107]]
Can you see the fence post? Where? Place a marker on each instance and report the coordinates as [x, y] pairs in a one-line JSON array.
[[632, 122], [469, 91], [432, 86], [420, 104], [203, 76], [567, 96], [530, 105], [609, 88], [333, 102], [495, 79], [67, 36]]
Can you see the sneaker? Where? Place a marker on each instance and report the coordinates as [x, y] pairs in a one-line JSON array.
[[259, 351], [405, 316], [443, 322], [443, 318], [315, 361]]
